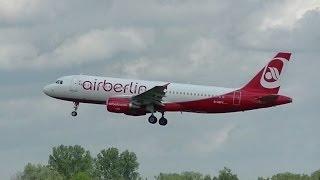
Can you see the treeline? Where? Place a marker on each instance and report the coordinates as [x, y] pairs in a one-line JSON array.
[[76, 163], [226, 174]]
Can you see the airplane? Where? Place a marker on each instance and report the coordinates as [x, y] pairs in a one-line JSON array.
[[139, 97]]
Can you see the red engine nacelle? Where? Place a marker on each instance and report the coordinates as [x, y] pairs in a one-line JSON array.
[[124, 105]]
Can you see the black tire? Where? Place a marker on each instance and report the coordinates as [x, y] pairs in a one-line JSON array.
[[152, 119], [74, 113], [163, 121]]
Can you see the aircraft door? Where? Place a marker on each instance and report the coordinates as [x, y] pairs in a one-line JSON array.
[[74, 85], [237, 98]]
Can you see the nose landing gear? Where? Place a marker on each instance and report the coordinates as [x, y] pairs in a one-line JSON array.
[[75, 107]]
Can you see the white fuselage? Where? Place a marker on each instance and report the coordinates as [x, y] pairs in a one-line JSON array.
[[98, 89]]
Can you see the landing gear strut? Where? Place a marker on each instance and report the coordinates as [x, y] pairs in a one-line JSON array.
[[75, 107], [163, 121]]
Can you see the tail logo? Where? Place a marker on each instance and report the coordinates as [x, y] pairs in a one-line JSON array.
[[272, 74], [270, 78]]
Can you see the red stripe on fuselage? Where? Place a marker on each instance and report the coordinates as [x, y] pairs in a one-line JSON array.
[[226, 103], [229, 102]]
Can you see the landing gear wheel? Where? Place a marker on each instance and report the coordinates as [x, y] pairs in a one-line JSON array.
[[74, 113], [152, 119], [163, 121]]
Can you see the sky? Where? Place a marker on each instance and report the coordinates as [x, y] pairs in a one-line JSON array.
[[206, 42]]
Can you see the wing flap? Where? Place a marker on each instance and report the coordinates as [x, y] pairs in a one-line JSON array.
[[152, 97]]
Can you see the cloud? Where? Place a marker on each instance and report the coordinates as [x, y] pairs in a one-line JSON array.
[[95, 45], [98, 45], [20, 55], [198, 54], [286, 16], [13, 12], [211, 141]]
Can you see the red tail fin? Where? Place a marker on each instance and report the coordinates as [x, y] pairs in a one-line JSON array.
[[267, 81]]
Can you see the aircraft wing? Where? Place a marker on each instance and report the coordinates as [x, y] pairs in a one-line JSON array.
[[153, 97]]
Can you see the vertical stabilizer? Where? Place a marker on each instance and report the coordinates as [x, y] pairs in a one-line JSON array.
[[267, 81]]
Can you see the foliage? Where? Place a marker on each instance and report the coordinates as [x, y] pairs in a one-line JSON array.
[[207, 177], [183, 176], [226, 174], [70, 160], [290, 176], [109, 164], [81, 176], [315, 175], [38, 172], [128, 165]]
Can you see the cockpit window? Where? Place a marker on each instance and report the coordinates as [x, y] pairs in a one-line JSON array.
[[59, 82]]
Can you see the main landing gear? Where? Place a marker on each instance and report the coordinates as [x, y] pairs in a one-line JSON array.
[[162, 121], [75, 107], [152, 119]]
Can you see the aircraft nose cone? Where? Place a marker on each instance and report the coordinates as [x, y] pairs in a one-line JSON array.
[[47, 90]]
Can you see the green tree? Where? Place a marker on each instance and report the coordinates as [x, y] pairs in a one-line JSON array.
[[261, 178], [128, 165], [81, 176], [38, 172], [226, 174], [290, 176], [70, 160], [315, 175], [183, 176], [207, 177], [192, 175], [107, 165], [168, 176]]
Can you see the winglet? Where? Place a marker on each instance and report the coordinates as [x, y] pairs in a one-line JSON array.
[[166, 85]]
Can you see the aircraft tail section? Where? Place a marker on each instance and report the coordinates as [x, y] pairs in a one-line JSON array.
[[267, 81]]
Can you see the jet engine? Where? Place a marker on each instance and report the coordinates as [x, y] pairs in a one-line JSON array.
[[124, 105]]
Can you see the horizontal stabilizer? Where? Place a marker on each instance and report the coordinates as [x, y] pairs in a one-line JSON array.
[[268, 98]]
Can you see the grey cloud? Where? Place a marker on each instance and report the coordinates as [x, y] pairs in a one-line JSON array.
[[91, 46]]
